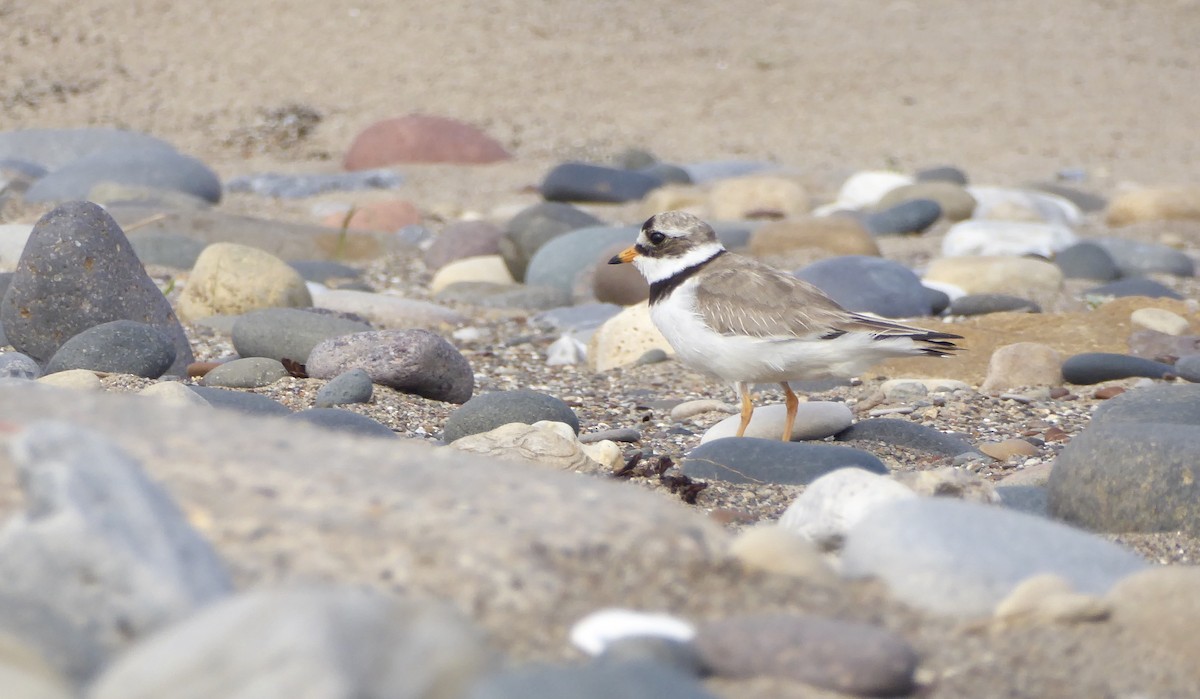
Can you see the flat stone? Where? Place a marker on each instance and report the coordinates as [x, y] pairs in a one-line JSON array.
[[1137, 286], [1014, 238], [510, 296], [585, 182], [814, 420], [904, 433], [411, 361], [482, 268], [575, 318], [981, 304], [286, 185], [1087, 260], [1095, 367], [753, 196], [173, 393], [1154, 204], [241, 401], [560, 261], [387, 311], [54, 148], [942, 173], [961, 559], [1088, 202], [348, 387], [288, 333], [911, 216], [421, 138], [713, 170], [231, 279], [870, 284], [1023, 364], [1017, 276], [1160, 320], [832, 235], [836, 501], [79, 271], [1135, 258], [749, 460], [535, 226], [120, 347], [343, 421], [74, 379], [325, 271], [251, 372], [635, 680], [167, 249], [152, 167], [488, 411]]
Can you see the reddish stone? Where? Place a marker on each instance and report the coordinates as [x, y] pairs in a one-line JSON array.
[[421, 139], [387, 216], [463, 239], [1108, 392], [197, 370]]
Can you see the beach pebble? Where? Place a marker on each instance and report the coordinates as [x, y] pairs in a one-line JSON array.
[[636, 680], [1160, 608], [461, 239], [1136, 286], [1050, 598], [1095, 367], [691, 408], [120, 347], [544, 442], [624, 338], [1016, 276], [586, 316], [1173, 404], [14, 365], [319, 642], [779, 550], [325, 272], [483, 268], [1087, 260], [814, 420], [173, 393], [595, 632], [559, 262], [387, 311], [902, 390], [955, 201], [621, 285], [303, 185], [339, 420], [241, 401], [834, 502], [1187, 367], [1003, 203], [77, 272], [410, 361], [949, 482], [167, 249], [1022, 364], [962, 558], [1135, 258], [519, 296], [288, 333], [251, 372], [904, 433], [1160, 320], [421, 138], [1015, 238], [156, 167], [348, 387], [911, 216], [1030, 499], [488, 411], [53, 148], [757, 196], [751, 460], [833, 235], [942, 173], [870, 284], [1007, 448], [1087, 202], [866, 188], [982, 304], [1154, 204], [585, 182], [850, 657], [385, 216], [674, 197], [535, 226], [76, 379], [231, 279], [102, 544]]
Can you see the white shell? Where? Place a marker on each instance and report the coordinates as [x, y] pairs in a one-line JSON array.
[[594, 632]]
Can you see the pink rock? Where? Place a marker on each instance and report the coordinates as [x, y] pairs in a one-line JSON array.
[[419, 138], [386, 216]]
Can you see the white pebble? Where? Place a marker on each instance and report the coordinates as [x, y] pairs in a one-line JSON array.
[[594, 632]]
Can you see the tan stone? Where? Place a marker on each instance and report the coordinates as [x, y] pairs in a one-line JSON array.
[[836, 235], [773, 549], [231, 279], [1160, 608], [1154, 204], [483, 268], [1023, 364], [173, 393], [752, 197], [980, 274], [1050, 598], [1008, 448], [674, 197], [948, 482], [1160, 320], [78, 379], [624, 338], [956, 202], [543, 442]]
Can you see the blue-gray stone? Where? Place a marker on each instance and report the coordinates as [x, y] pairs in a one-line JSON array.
[[713, 170], [54, 148], [534, 227], [323, 271], [939, 301], [167, 249], [348, 387], [962, 558], [575, 318], [78, 270], [119, 346], [1134, 286], [734, 234], [681, 656], [1136, 258], [492, 295], [752, 460], [981, 304], [667, 173], [299, 186], [594, 681], [911, 216], [615, 434], [905, 433], [241, 401], [488, 411], [412, 361], [1086, 201], [14, 365], [942, 173], [1187, 368], [1087, 260], [871, 284], [24, 168], [288, 333], [1094, 367], [1173, 404], [1030, 499], [559, 262], [251, 372], [344, 421], [155, 167], [596, 183]]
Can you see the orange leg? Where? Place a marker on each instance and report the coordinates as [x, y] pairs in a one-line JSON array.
[[793, 404], [743, 389]]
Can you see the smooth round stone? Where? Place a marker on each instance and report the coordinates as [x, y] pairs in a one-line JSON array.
[[325, 271], [1008, 448], [814, 420], [1160, 320], [960, 558], [559, 262], [1094, 367], [1023, 364], [833, 503], [667, 173], [484, 268], [174, 393], [1030, 499], [241, 401], [621, 285], [912, 216], [1014, 238], [1129, 477], [837, 235], [1187, 367], [353, 386], [461, 239], [488, 411], [153, 167], [520, 296], [867, 188], [534, 227], [1161, 347], [596, 183], [1008, 204], [421, 138], [53, 148], [575, 318], [758, 461], [903, 433], [387, 311], [120, 347], [383, 215], [1086, 201], [343, 421], [615, 434], [231, 279], [412, 361], [939, 301], [1087, 260], [79, 271], [167, 249], [1136, 286], [1154, 204], [1175, 404], [756, 196], [871, 284], [985, 274], [942, 173], [288, 333], [774, 549], [1136, 258], [251, 372], [1160, 608], [636, 680], [77, 379], [845, 656], [301, 186], [955, 201], [982, 304], [14, 365]]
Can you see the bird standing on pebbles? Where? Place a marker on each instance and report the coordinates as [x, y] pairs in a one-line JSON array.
[[747, 322]]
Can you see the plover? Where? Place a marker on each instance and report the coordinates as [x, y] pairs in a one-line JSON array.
[[746, 322]]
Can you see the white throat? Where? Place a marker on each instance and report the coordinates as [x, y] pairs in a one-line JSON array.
[[656, 269]]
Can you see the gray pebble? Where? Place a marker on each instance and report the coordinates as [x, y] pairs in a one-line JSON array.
[[120, 346], [585, 182], [904, 433], [559, 262], [1093, 367], [1087, 260], [1187, 367], [942, 173], [594, 681], [343, 421], [535, 226], [167, 249], [412, 361], [1135, 286], [241, 401], [288, 333], [152, 167], [751, 460], [488, 411], [617, 434], [324, 271], [292, 186], [872, 284], [14, 365], [912, 216], [982, 304], [657, 650], [1137, 258], [353, 386], [251, 372]]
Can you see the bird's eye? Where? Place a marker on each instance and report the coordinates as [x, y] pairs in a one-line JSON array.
[[656, 237]]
